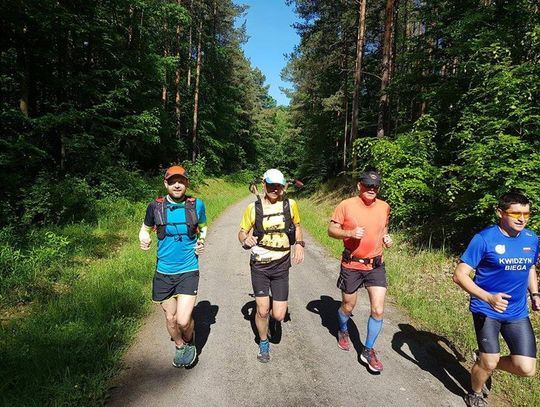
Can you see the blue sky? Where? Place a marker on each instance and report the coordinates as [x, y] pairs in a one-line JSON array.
[[268, 24]]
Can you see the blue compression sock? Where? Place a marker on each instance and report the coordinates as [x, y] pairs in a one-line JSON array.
[[343, 318], [264, 345], [374, 327]]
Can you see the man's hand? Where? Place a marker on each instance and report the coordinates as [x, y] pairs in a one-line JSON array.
[[144, 237], [498, 301], [199, 247], [357, 233], [387, 240], [535, 302], [298, 256], [249, 242], [144, 243]]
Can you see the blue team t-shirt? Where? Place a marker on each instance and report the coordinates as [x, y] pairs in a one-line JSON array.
[[176, 252], [502, 265]]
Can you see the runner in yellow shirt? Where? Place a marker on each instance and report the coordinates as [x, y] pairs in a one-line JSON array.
[[270, 227]]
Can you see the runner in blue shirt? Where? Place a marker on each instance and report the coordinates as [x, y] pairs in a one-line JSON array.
[[180, 225], [503, 258]]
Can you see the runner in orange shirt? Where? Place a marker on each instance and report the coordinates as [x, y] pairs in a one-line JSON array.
[[362, 223]]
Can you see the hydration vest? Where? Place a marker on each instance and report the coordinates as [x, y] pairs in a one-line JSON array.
[[289, 229], [160, 206]]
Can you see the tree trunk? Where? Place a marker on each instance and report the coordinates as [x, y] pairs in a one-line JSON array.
[[164, 89], [382, 125], [196, 93], [190, 44], [345, 102], [358, 74], [23, 67], [177, 110]]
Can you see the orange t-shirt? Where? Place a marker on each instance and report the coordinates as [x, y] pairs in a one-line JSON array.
[[352, 213]]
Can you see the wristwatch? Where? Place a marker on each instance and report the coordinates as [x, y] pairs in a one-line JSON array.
[[301, 243]]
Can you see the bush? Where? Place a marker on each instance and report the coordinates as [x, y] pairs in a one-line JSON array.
[[409, 176], [55, 200], [119, 182]]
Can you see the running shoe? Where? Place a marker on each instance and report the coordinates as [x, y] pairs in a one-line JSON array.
[[185, 356], [369, 356], [274, 330], [264, 352], [475, 400], [486, 388], [343, 340]]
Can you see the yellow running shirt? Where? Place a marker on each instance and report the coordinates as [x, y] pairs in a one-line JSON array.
[[277, 240]]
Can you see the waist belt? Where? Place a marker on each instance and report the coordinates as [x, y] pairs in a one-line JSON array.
[[375, 261], [366, 260]]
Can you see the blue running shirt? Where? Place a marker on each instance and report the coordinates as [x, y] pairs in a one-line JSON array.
[[176, 253], [502, 265]]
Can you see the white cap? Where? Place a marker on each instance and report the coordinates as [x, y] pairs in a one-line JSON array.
[[274, 176]]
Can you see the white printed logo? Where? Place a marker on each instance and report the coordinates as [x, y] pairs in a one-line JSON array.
[[500, 249]]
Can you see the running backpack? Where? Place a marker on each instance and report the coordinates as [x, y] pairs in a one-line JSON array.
[[259, 231], [160, 217]]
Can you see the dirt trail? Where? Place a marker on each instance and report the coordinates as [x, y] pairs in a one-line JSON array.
[[306, 367]]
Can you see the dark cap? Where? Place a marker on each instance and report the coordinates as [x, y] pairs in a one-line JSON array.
[[370, 178], [176, 170]]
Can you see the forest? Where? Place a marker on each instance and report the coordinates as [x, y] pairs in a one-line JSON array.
[[441, 97]]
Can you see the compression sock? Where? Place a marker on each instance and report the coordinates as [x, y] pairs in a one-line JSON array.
[[343, 318], [264, 346], [374, 327]]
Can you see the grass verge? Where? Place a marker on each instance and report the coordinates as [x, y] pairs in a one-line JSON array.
[[420, 281], [64, 351]]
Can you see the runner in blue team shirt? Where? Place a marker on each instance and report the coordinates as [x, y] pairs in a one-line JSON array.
[[503, 258], [180, 225]]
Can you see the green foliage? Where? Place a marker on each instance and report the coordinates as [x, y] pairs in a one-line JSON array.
[[410, 176], [98, 93], [464, 107], [117, 181], [497, 138], [27, 273], [196, 171], [277, 143], [69, 342], [57, 200]]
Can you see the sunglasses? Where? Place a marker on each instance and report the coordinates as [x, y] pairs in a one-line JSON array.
[[171, 182], [371, 186], [273, 186], [518, 215]]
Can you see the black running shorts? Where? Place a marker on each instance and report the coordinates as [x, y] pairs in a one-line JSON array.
[[272, 276], [349, 280], [518, 335], [166, 286]]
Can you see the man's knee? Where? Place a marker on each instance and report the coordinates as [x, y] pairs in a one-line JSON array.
[[183, 322], [347, 307], [488, 364], [279, 315], [171, 318], [263, 312], [526, 369], [377, 312]]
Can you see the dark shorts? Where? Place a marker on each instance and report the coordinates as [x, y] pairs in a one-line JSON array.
[[349, 280], [273, 276], [518, 335], [166, 286]]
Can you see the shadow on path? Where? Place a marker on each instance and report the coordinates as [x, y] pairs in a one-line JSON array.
[[326, 307], [249, 309], [204, 315], [434, 354]]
